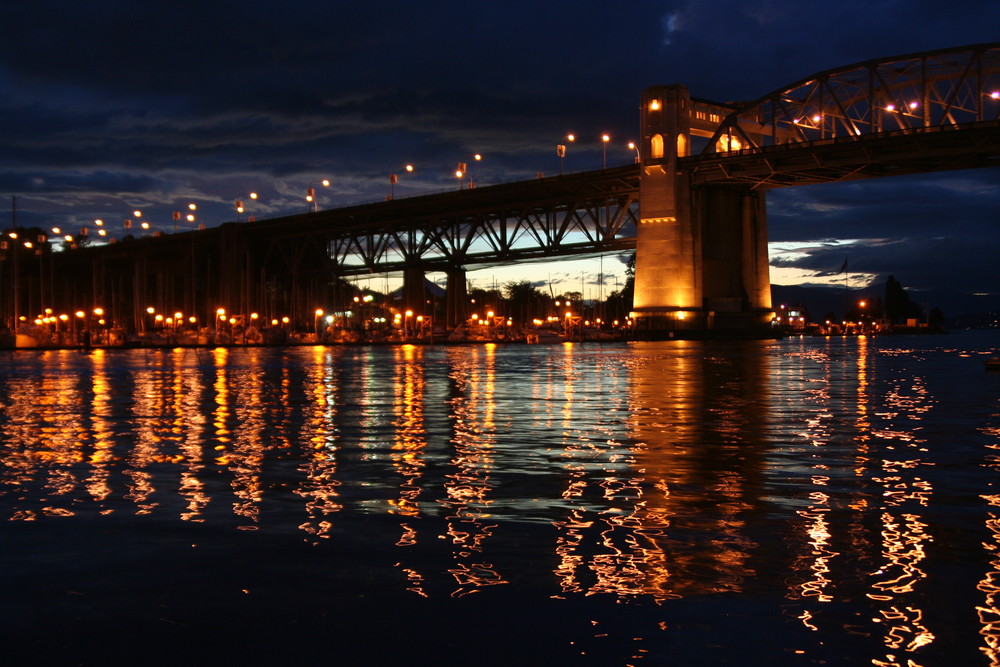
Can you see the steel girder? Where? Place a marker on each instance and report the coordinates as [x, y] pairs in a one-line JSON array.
[[935, 89], [919, 150], [578, 214]]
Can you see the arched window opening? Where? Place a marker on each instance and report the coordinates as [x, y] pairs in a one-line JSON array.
[[682, 145], [656, 146]]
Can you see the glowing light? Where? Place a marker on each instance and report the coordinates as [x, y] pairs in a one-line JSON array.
[[654, 105]]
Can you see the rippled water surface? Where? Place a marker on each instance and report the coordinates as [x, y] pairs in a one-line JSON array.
[[805, 501]]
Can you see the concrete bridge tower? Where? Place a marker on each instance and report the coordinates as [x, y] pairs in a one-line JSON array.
[[701, 251]]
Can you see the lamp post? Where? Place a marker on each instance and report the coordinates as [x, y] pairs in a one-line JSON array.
[[632, 145], [462, 170], [604, 142], [240, 208], [561, 150], [478, 158], [311, 193], [394, 178]]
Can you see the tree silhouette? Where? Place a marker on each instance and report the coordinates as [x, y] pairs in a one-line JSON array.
[[898, 305]]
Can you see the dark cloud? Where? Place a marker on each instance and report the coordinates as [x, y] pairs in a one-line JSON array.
[[118, 103]]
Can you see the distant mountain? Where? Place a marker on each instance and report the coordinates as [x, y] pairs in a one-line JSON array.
[[820, 300]]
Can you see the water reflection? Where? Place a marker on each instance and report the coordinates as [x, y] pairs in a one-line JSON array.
[[469, 485], [989, 610], [871, 469], [641, 473], [319, 443]]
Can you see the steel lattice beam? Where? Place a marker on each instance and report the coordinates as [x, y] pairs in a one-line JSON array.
[[952, 87]]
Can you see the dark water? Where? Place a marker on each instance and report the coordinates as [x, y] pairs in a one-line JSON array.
[[801, 502]]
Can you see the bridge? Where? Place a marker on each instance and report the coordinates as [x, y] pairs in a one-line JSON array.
[[693, 208]]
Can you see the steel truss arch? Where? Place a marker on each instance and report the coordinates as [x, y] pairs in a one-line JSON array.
[[916, 92]]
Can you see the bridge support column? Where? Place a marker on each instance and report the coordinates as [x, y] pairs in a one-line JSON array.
[[701, 253], [457, 298], [414, 291]]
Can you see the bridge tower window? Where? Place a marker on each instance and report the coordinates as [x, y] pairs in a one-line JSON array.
[[682, 145], [656, 146]]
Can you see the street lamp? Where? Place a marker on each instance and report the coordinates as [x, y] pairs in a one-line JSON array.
[[240, 208], [632, 145], [311, 193], [561, 150], [463, 170], [393, 179], [604, 141], [319, 314]]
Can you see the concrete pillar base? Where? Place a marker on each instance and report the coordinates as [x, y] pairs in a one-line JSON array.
[[700, 324]]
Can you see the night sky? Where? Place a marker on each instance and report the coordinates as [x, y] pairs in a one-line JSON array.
[[107, 107]]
